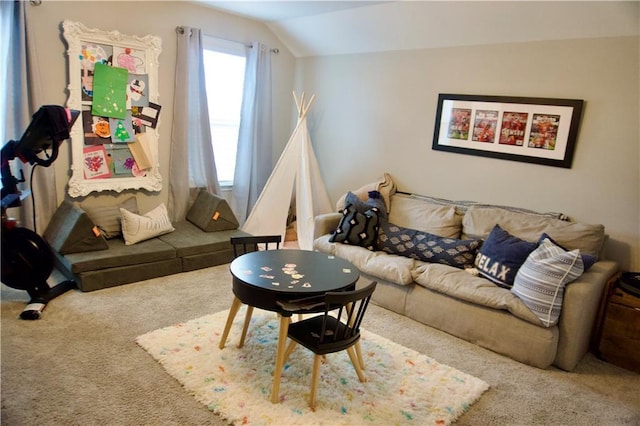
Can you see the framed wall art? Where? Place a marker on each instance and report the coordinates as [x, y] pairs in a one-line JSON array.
[[531, 130], [113, 81]]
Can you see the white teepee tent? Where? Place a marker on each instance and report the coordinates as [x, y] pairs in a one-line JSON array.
[[297, 166]]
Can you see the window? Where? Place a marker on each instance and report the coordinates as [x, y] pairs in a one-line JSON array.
[[224, 64]]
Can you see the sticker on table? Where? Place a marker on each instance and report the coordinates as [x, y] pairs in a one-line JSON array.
[[331, 257], [346, 270], [294, 282], [269, 277], [247, 271], [306, 285], [297, 276], [274, 283], [266, 268], [290, 265]]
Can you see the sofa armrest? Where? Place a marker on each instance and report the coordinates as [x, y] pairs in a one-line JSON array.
[[325, 224], [579, 312]]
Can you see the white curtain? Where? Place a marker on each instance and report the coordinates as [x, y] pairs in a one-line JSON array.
[[255, 141], [21, 96], [192, 163]]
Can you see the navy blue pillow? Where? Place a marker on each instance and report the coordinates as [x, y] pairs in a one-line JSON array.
[[502, 255], [426, 247], [587, 259], [360, 229], [374, 203]]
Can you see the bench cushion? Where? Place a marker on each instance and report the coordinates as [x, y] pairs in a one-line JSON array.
[[189, 240], [119, 254]]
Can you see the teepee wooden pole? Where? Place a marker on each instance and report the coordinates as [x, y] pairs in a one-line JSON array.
[[300, 104], [306, 108], [295, 98]]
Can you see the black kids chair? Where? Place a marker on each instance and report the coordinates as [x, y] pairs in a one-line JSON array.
[[242, 245], [330, 332]]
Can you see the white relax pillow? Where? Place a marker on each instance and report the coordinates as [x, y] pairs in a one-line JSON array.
[[136, 228], [541, 280]]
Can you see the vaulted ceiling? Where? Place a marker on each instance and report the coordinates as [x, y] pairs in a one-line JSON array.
[[314, 28]]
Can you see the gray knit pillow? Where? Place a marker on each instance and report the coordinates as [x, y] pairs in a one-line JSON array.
[[541, 280]]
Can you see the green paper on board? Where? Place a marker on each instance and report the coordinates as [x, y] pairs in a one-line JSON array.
[[109, 91]]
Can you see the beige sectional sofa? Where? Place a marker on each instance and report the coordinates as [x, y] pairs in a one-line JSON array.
[[471, 306]]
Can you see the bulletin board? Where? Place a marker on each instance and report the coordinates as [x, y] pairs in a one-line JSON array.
[[113, 81]]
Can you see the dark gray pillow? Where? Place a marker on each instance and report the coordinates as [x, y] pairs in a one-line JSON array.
[[108, 218], [419, 245], [356, 228], [211, 213], [72, 231]]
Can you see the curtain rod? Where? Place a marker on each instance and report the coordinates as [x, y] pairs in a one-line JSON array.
[[275, 50]]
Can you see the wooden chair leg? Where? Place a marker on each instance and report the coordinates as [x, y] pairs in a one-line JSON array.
[[314, 381], [354, 360], [245, 327], [277, 373], [235, 306], [290, 348], [359, 353]]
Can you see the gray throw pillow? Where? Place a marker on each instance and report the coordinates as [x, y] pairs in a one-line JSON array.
[[107, 217]]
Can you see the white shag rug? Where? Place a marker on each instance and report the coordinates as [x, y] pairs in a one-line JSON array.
[[403, 387]]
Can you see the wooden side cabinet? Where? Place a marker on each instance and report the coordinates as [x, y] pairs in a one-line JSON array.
[[617, 335]]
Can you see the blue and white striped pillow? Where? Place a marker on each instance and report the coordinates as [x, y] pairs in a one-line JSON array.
[[541, 280]]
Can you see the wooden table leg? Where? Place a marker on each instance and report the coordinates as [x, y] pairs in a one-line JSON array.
[[235, 306], [277, 373]]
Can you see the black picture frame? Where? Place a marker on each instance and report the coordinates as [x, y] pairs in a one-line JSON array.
[[530, 130]]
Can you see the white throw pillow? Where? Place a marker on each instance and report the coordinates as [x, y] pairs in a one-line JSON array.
[[136, 228], [541, 280]]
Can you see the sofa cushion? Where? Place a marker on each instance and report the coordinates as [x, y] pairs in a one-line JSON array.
[[394, 239], [479, 221], [413, 213], [107, 217], [464, 286], [136, 228], [189, 240], [391, 268], [71, 230], [356, 228], [501, 256], [541, 280], [211, 213]]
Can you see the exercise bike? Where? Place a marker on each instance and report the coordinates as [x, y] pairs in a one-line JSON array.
[[27, 259]]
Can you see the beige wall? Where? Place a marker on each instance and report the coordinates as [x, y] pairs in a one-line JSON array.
[[375, 113], [160, 19]]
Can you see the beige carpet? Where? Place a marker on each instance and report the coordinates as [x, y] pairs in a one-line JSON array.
[[80, 365]]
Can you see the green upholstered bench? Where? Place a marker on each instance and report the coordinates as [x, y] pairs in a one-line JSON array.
[[84, 255]]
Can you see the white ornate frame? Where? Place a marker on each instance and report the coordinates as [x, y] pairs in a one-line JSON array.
[[75, 33]]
